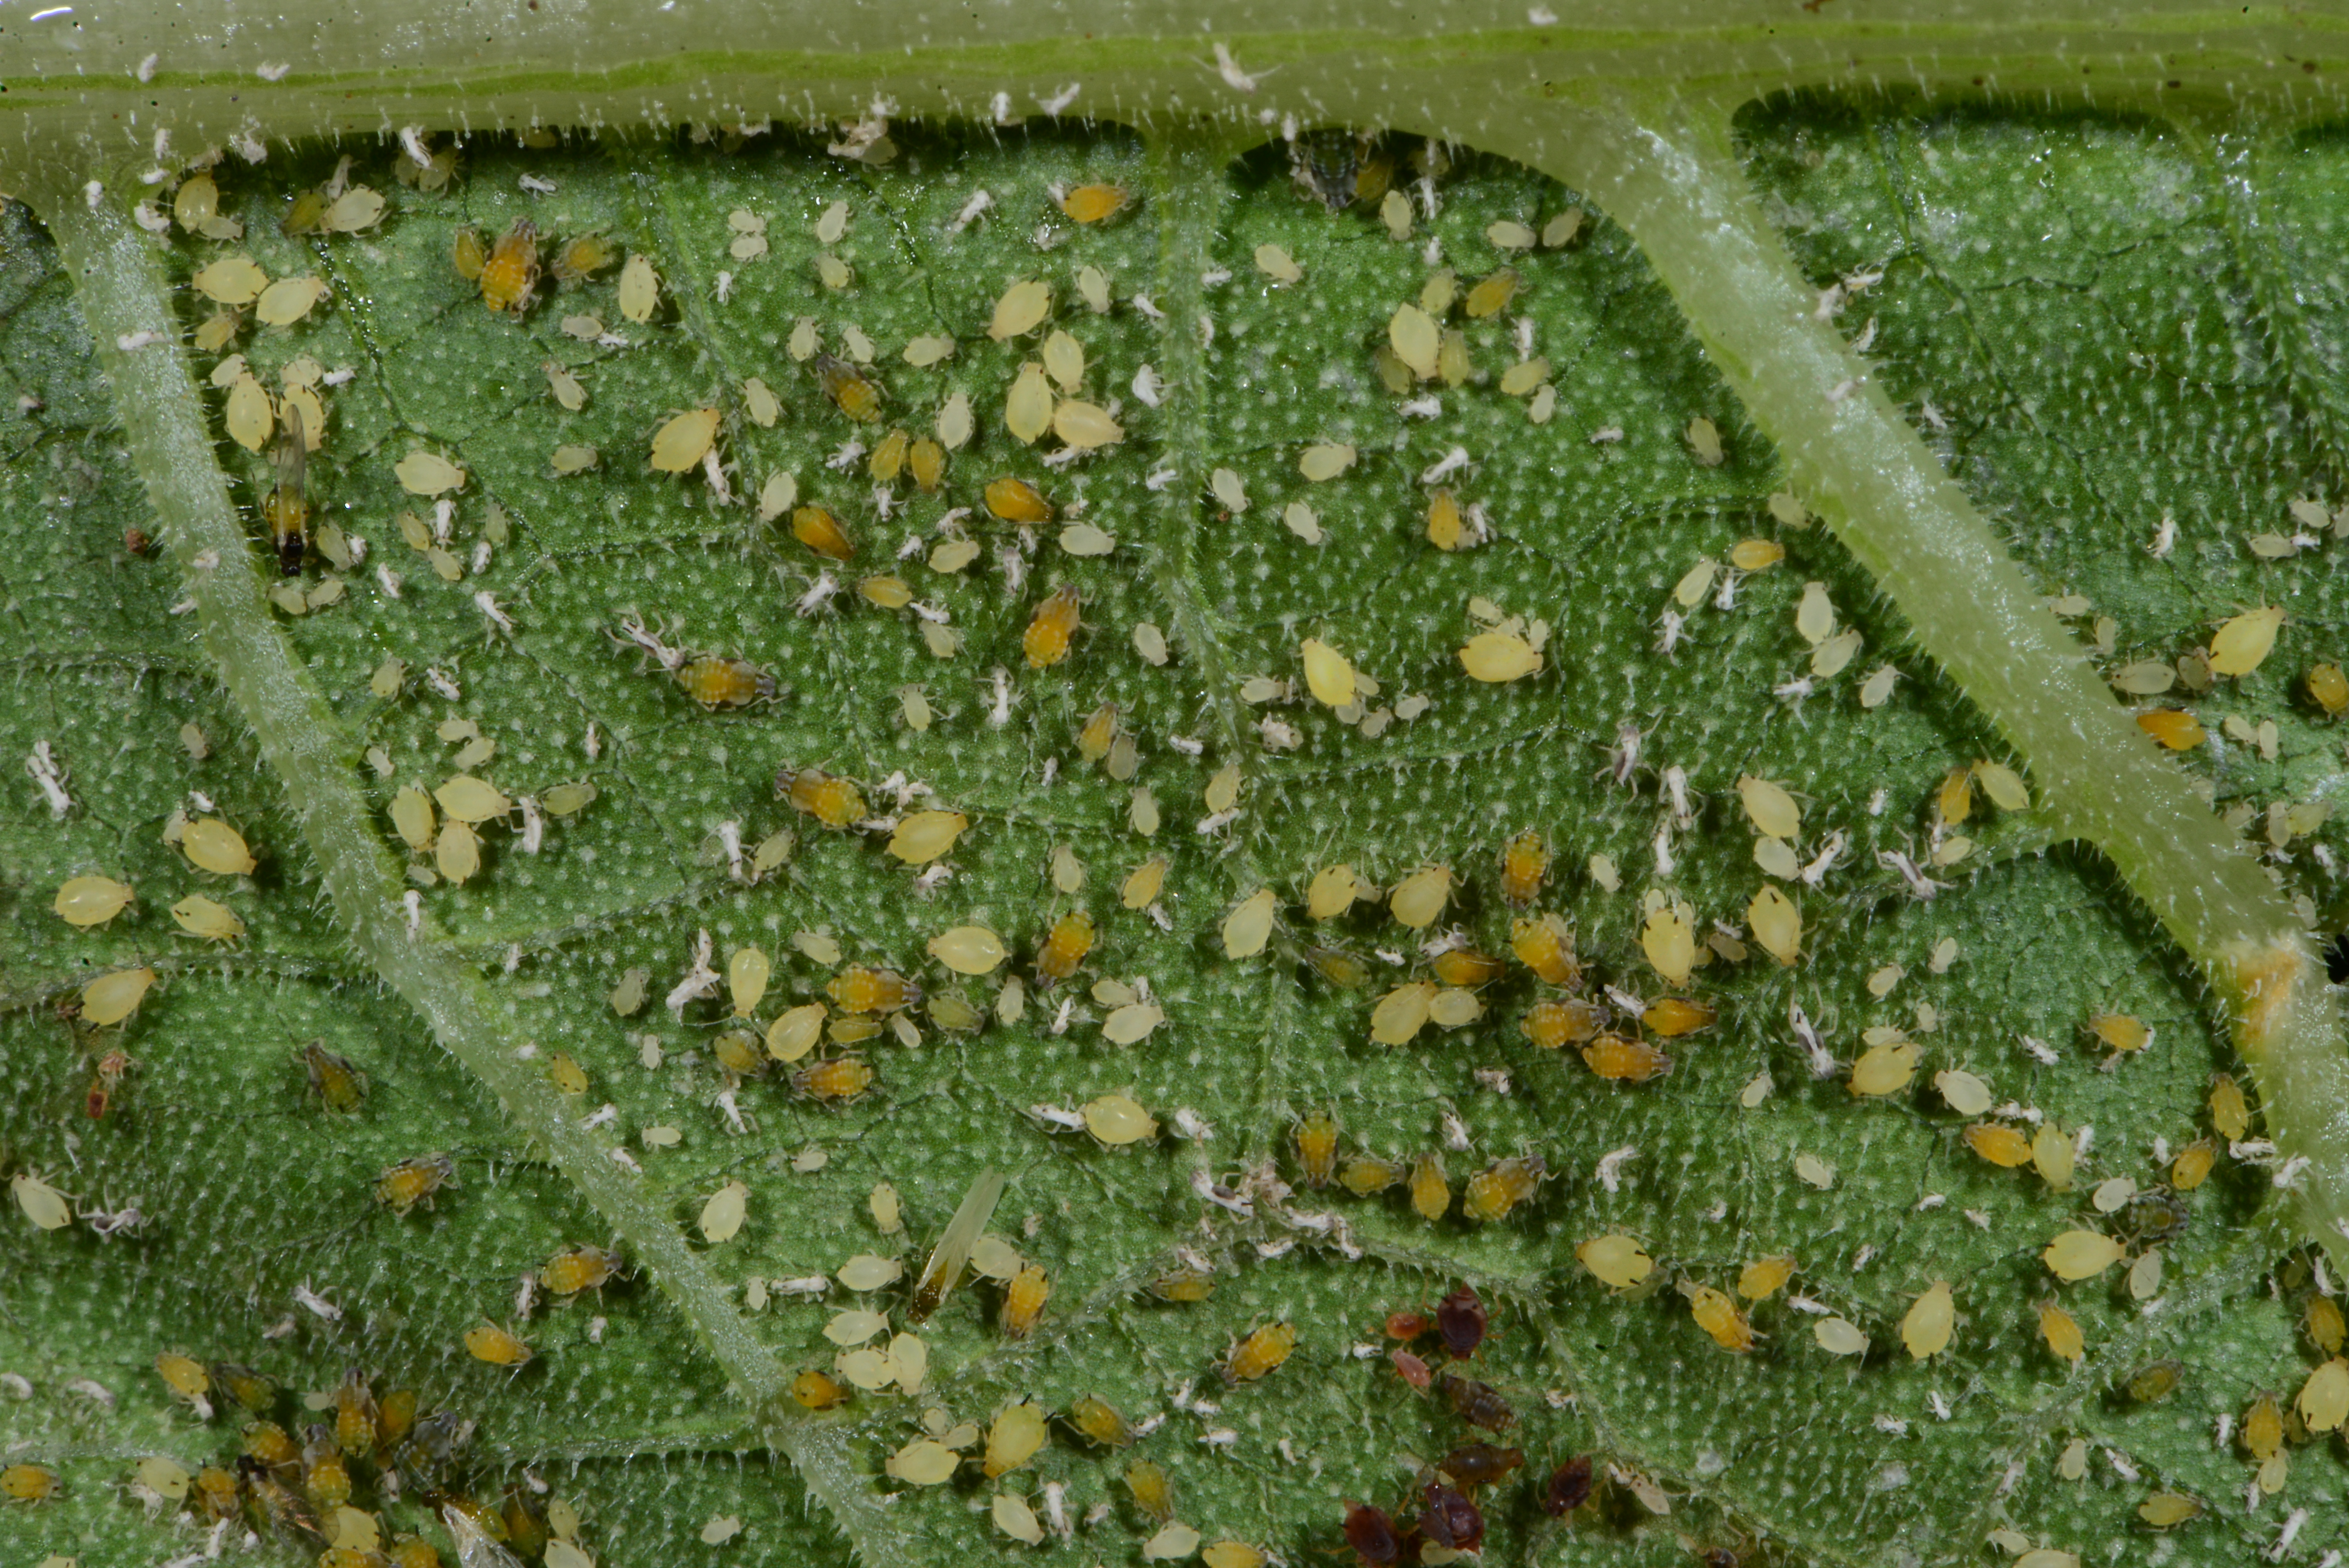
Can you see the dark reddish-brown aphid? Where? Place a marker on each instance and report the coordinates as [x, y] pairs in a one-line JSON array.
[[1460, 1318], [1408, 1325], [1371, 1534], [1569, 1488], [1451, 1520], [1480, 1464], [1478, 1404], [1413, 1370], [1719, 1557]]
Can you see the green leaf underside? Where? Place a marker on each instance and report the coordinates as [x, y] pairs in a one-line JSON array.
[[2087, 305]]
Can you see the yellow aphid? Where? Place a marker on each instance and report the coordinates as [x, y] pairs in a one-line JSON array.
[[2055, 1155], [231, 280], [1492, 295], [1495, 657], [1364, 1176], [2324, 1325], [1117, 1121], [1464, 966], [1277, 264], [1065, 947], [1675, 1016], [2167, 1509], [834, 802], [1099, 730], [200, 916], [42, 1205], [1064, 360], [1616, 1261], [639, 289], [576, 1269], [1022, 308], [184, 1375], [1317, 1147], [580, 257], [88, 901], [509, 271], [1418, 900], [1152, 1492], [1248, 926], [1718, 1317], [2175, 729], [468, 254], [2081, 1254], [288, 300], [2003, 785], [969, 949], [2243, 643], [211, 845], [1927, 1327], [1815, 617], [115, 996], [466, 798], [1759, 1280], [1554, 1025], [1084, 427], [1027, 407], [1998, 1144], [1023, 1301], [818, 1391], [2061, 1331], [1415, 339], [924, 836], [1620, 1060], [1099, 1421], [1183, 1284], [1431, 1192], [2230, 1114], [1325, 460], [2263, 1429], [1757, 554], [1768, 806], [1446, 529], [1329, 674], [412, 817], [414, 1181], [2121, 1031], [1402, 1013], [1525, 860], [859, 989], [1777, 924], [2323, 1402], [2193, 1164], [1670, 945], [924, 1462], [1141, 887], [1094, 203], [1047, 639], [1014, 1438], [820, 531], [495, 1346], [1260, 1354], [680, 445], [1884, 1069], [852, 392], [1016, 501], [29, 1483], [1493, 1192], [248, 414], [1955, 801], [717, 682], [2328, 688], [1333, 892], [1546, 946]]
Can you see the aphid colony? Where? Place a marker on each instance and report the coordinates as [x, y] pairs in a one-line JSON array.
[[311, 1483]]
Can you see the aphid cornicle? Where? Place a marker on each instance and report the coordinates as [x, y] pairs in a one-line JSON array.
[[286, 508], [414, 1181]]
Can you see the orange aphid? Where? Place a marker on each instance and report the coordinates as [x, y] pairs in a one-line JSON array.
[[822, 533], [1546, 946], [1464, 966], [1259, 1353], [576, 1269], [1625, 1061], [411, 1181], [834, 802], [818, 1391], [1016, 501], [1677, 1016], [1552, 1025], [1072, 937], [859, 989], [2192, 1166], [1718, 1316], [1045, 641], [851, 391], [1760, 1279], [2177, 730], [1493, 1192], [1023, 1301], [840, 1078], [1094, 203], [511, 272], [1317, 1147], [1525, 860], [716, 682], [1998, 1145]]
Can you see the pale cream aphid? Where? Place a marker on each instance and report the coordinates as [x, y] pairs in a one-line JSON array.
[[1248, 926], [639, 289], [1418, 901], [1815, 618], [1021, 309], [939, 1275], [42, 1205], [723, 1213], [2243, 643], [85, 902]]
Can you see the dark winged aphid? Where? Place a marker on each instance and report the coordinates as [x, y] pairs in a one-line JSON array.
[[1480, 1464], [1477, 1404], [1460, 1319], [1568, 1487], [1327, 163], [288, 508], [1451, 1520], [1371, 1534]]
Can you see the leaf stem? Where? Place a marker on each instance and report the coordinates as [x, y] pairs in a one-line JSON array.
[[1668, 174], [124, 297]]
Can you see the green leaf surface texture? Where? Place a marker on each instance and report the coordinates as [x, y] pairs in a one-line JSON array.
[[2123, 335]]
